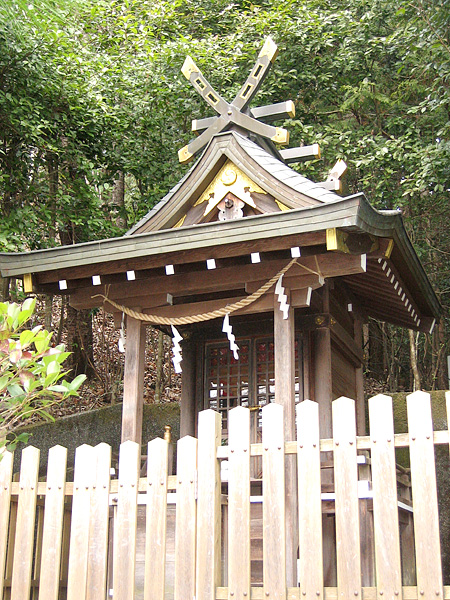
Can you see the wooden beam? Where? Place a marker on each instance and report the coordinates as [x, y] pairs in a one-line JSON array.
[[133, 385], [293, 283], [183, 256], [272, 112], [327, 265], [153, 291], [89, 298], [322, 372], [293, 155], [300, 299], [347, 344], [323, 395], [322, 378], [284, 342], [269, 113], [353, 243]]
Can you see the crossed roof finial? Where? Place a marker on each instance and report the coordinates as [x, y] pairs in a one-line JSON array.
[[236, 113]]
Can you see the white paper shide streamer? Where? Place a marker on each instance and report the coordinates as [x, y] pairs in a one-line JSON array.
[[122, 339], [226, 328], [176, 349], [282, 298]]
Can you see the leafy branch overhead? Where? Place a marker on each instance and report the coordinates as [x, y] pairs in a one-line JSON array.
[[32, 376]]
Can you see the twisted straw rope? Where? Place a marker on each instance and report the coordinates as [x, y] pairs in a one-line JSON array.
[[214, 314]]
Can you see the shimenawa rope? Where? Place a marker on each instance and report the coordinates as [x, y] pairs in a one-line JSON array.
[[208, 316]]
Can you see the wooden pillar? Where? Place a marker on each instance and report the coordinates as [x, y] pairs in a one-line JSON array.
[[359, 375], [284, 341], [323, 395], [133, 384], [323, 392], [188, 405]]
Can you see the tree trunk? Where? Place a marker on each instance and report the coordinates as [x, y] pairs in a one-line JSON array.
[[53, 182], [48, 301], [4, 289], [441, 366], [61, 320], [118, 200], [159, 367], [413, 358], [79, 342], [375, 349]]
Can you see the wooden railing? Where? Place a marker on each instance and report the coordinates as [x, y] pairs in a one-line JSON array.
[[189, 536]]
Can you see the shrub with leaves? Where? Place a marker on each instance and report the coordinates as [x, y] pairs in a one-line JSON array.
[[32, 377]]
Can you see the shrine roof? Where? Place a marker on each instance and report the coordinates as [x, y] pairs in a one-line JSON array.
[[265, 169]]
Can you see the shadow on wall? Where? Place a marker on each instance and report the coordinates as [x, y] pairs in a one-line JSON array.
[[93, 427], [442, 466]]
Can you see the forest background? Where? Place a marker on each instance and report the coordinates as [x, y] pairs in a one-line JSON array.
[[93, 109]]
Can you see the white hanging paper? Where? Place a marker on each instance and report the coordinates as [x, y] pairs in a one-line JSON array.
[[122, 339], [176, 350], [282, 298], [227, 328]]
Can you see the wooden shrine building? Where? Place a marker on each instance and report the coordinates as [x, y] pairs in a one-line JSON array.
[[238, 218], [244, 251]]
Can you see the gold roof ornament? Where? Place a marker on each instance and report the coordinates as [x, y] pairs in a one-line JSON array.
[[237, 112]]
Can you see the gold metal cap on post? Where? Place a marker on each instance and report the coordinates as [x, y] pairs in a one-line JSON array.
[[168, 434], [281, 136], [270, 49], [189, 67]]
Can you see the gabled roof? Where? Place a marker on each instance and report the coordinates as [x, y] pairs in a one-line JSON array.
[[271, 174]]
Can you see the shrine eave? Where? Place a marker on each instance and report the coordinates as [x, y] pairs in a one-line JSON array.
[[306, 226], [353, 213]]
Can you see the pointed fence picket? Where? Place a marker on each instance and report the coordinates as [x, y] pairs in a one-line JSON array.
[[79, 532], [77, 524], [309, 501], [156, 522], [26, 510], [385, 511], [53, 524], [6, 470], [274, 517], [208, 506], [126, 522], [186, 520], [239, 502], [424, 493], [348, 547], [98, 525]]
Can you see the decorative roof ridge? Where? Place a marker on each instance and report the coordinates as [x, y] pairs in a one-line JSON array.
[[276, 167]]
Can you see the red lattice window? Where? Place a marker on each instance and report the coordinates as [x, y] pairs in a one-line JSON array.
[[249, 381]]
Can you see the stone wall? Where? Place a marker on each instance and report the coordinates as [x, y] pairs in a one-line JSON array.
[[102, 425]]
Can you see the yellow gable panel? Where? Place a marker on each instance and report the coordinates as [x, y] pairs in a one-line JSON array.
[[229, 179]]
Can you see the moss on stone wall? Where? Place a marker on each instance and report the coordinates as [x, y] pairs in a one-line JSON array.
[[102, 425]]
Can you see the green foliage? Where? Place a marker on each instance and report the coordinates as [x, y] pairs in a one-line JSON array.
[[31, 371], [92, 89]]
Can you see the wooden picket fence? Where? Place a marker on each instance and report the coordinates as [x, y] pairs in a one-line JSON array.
[[78, 540]]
